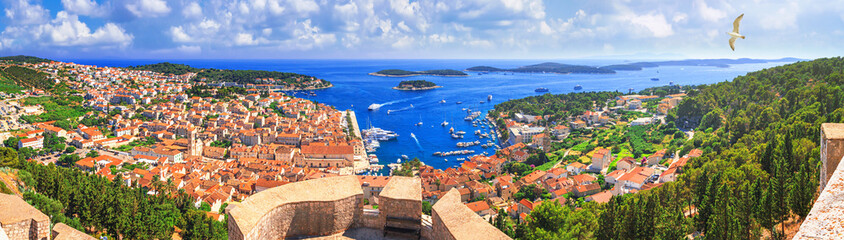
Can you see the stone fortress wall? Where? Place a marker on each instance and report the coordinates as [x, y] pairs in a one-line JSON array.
[[452, 220], [21, 221], [310, 208], [826, 219], [328, 206]]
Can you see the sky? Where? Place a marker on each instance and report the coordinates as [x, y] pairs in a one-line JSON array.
[[426, 29]]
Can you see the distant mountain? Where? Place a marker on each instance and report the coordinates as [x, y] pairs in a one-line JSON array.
[[25, 59], [405, 73], [547, 67], [722, 63]]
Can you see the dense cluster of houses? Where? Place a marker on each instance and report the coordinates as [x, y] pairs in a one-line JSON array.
[[216, 150]]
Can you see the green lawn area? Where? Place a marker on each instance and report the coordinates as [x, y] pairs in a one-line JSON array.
[[546, 166], [624, 153]]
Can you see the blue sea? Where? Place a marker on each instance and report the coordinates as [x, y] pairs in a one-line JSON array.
[[354, 89]]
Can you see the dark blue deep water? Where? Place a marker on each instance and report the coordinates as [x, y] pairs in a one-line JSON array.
[[355, 89]]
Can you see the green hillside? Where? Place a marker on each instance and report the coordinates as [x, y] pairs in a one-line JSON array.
[[226, 75], [759, 134], [24, 59]]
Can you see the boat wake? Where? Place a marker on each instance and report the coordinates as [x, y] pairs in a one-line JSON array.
[[417, 142], [375, 106]]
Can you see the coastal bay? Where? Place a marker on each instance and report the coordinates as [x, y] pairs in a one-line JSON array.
[[354, 89]]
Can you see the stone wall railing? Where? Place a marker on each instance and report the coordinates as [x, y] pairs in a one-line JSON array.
[[310, 208], [826, 219], [454, 221]]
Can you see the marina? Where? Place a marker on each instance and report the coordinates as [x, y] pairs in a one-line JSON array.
[[370, 96]]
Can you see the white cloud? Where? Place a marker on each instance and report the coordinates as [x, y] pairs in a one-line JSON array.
[[444, 38], [148, 8], [243, 39], [784, 17], [655, 23], [545, 29], [267, 31], [308, 37], [83, 7], [680, 18], [708, 13], [404, 42], [304, 6], [179, 34], [189, 49], [67, 30], [23, 12], [479, 43], [192, 10], [533, 8]]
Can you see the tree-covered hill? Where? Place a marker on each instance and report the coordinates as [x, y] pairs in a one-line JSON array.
[[404, 73], [547, 67], [416, 84], [26, 77], [759, 134], [166, 68], [239, 76], [24, 59]]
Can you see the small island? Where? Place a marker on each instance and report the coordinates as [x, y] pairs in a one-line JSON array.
[[416, 85], [405, 73]]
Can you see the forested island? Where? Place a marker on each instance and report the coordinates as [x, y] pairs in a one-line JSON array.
[[416, 85], [550, 67], [405, 73], [547, 67], [242, 77]]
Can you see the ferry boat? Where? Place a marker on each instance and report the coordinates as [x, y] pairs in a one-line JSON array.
[[578, 87], [542, 89], [374, 106]]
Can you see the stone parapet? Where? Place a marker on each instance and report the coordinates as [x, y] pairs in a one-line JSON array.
[[826, 219], [454, 221], [22, 221], [401, 200], [62, 231], [310, 208]]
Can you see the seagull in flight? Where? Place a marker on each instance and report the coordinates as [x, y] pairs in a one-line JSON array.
[[734, 34]]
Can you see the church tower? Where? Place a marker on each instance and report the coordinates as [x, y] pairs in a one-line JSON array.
[[195, 146]]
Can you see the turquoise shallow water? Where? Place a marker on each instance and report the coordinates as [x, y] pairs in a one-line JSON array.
[[355, 89]]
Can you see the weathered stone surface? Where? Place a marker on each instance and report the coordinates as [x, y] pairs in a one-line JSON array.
[[826, 219], [832, 149], [22, 221], [333, 208], [309, 208], [402, 199], [454, 221], [65, 232]]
